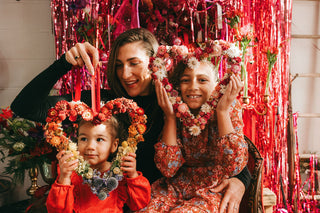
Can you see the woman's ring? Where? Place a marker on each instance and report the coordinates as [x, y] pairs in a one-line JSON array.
[[76, 57]]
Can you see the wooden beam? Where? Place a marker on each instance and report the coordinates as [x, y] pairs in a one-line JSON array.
[[305, 36], [309, 115], [317, 75]]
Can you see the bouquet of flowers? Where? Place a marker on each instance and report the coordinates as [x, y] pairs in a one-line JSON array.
[[22, 143]]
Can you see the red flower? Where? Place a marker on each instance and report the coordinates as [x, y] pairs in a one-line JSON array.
[[109, 105], [80, 108], [62, 115], [6, 114], [62, 105], [141, 128], [52, 113], [140, 111]]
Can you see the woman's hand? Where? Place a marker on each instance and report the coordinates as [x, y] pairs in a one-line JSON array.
[[163, 100], [234, 87], [234, 191], [82, 54], [129, 164], [67, 164]]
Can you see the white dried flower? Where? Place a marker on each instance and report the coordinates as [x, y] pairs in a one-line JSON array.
[[89, 174], [73, 146], [172, 100], [161, 74], [18, 146], [158, 62], [194, 130], [193, 63], [205, 108], [116, 170], [223, 89], [233, 51]]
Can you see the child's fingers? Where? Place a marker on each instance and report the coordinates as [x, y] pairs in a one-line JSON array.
[[229, 87], [60, 154], [132, 154], [73, 164], [127, 164], [158, 91], [238, 82], [69, 165], [65, 158], [129, 161], [129, 158], [165, 97]]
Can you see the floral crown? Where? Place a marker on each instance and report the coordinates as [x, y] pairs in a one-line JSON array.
[[217, 52], [56, 136]]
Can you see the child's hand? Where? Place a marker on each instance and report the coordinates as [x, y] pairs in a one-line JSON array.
[[234, 87], [129, 164], [66, 167], [163, 100]]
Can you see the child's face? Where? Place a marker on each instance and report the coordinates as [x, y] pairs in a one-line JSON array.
[[95, 144], [197, 85]]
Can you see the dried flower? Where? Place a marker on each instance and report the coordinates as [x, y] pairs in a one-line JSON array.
[[19, 146]]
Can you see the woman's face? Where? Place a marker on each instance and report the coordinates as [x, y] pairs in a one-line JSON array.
[[132, 69], [95, 144], [197, 85]]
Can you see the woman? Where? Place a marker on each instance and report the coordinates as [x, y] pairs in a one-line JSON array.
[[128, 76]]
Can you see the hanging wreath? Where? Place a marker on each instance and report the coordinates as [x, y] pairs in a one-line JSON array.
[[213, 51], [57, 137]]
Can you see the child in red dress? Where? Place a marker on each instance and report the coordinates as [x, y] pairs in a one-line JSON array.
[[95, 144], [193, 164]]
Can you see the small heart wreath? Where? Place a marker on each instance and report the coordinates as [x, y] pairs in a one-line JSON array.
[[213, 51], [57, 137]]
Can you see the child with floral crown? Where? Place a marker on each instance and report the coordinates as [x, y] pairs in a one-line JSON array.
[[87, 181], [202, 141]]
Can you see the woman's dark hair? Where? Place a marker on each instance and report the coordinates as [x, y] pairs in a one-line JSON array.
[[149, 42]]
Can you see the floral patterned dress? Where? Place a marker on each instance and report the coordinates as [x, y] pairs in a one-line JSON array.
[[197, 164]]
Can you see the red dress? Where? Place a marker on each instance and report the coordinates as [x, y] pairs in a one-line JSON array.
[[135, 192], [197, 164]]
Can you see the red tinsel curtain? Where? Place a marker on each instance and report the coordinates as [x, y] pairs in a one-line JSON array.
[[264, 25]]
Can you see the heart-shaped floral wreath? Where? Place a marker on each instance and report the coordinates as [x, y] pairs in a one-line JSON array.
[[213, 51], [100, 185]]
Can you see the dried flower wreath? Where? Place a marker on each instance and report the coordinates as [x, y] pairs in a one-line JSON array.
[[100, 184], [213, 51]]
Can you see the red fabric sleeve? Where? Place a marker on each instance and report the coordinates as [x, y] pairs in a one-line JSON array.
[[60, 198], [136, 192], [233, 147], [168, 159]]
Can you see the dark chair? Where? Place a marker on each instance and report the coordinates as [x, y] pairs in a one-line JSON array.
[[252, 199]]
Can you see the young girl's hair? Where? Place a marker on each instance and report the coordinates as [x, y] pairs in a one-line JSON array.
[[112, 124], [148, 41]]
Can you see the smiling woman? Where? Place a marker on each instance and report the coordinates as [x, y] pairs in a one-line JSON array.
[[132, 69]]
